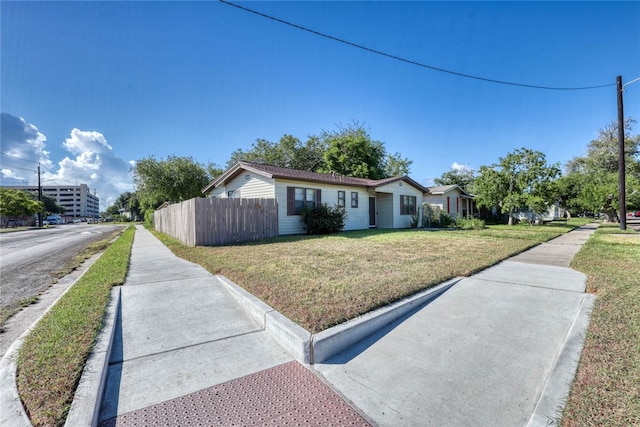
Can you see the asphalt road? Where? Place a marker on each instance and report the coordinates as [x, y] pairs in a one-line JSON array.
[[28, 258]]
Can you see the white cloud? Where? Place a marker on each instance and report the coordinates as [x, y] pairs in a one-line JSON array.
[[457, 166], [95, 164], [8, 173], [23, 147], [92, 160]]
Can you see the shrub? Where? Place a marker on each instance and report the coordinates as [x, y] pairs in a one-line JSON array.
[[445, 220], [415, 220], [434, 217], [469, 223], [324, 219], [430, 215]]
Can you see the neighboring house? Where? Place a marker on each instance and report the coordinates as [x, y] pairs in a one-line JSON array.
[[384, 203], [553, 213], [452, 199]]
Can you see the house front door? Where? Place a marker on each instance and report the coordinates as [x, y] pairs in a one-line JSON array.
[[372, 212]]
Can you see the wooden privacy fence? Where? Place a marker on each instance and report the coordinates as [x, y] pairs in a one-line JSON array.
[[216, 222]]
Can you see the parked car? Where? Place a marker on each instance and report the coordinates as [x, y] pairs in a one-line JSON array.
[[54, 220]]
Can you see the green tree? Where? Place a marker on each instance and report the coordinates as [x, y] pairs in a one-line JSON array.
[[127, 201], [16, 204], [521, 179], [463, 177], [51, 205], [395, 165], [566, 191], [174, 180], [349, 151], [590, 182], [289, 152], [352, 152]]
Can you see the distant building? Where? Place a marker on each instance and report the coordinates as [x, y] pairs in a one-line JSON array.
[[77, 200]]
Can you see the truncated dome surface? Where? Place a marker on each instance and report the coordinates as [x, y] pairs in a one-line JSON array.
[[287, 394]]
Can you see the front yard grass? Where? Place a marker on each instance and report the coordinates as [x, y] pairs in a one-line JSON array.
[[53, 355], [606, 390], [319, 282]]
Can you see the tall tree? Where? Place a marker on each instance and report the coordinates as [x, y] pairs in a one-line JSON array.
[[174, 179], [352, 152], [462, 176], [289, 152], [51, 205], [127, 201], [16, 203], [590, 182], [349, 151], [395, 165], [521, 179]]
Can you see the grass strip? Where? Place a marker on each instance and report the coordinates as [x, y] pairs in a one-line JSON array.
[[86, 253], [606, 390], [53, 355], [321, 281], [10, 310]]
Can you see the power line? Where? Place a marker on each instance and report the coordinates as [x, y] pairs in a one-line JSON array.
[[408, 61], [16, 157], [15, 167], [27, 160]]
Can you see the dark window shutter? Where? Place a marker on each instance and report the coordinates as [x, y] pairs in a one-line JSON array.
[[318, 197], [291, 195], [402, 208]]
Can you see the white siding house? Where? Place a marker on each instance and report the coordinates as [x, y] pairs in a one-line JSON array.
[[452, 199], [386, 203]]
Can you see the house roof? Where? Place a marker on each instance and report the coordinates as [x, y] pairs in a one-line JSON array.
[[442, 189], [269, 171]]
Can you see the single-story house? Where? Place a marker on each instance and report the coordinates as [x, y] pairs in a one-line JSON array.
[[384, 203], [452, 199]]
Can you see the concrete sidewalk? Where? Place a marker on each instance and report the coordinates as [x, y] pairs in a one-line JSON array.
[[498, 348], [180, 340]]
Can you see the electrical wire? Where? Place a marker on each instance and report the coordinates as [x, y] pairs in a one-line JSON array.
[[15, 167], [16, 157], [409, 61], [27, 160]]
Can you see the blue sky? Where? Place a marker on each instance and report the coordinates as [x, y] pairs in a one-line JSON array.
[[89, 87]]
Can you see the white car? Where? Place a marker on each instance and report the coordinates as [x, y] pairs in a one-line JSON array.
[[54, 220]]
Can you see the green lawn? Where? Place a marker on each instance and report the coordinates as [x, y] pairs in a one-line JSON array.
[[606, 391]]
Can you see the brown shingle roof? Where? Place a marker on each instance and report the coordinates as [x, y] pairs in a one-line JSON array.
[[299, 175]]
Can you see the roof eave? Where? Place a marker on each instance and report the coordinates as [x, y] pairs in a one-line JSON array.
[[231, 173]]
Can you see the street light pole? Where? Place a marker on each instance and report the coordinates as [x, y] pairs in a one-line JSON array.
[[621, 166]]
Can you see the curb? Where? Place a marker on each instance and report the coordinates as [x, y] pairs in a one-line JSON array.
[[557, 385], [13, 412], [85, 408], [316, 348]]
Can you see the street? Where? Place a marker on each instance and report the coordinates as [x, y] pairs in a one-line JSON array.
[[28, 258]]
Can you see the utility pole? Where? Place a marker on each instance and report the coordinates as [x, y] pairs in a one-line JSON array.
[[621, 160], [40, 214], [621, 166]]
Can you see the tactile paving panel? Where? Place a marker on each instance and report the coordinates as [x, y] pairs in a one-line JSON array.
[[286, 395]]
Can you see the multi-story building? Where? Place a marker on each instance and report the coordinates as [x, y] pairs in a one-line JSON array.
[[77, 200]]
